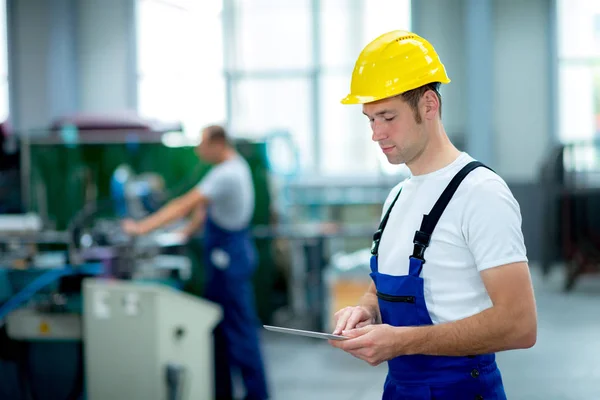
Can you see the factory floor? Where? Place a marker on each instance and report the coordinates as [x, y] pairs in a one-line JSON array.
[[562, 365]]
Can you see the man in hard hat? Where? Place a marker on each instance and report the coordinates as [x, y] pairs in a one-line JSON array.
[[225, 200], [451, 284]]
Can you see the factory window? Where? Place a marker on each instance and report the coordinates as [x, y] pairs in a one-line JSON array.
[[579, 70], [288, 64], [3, 64], [180, 62]]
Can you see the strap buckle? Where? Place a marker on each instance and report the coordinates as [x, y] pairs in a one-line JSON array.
[[376, 240], [421, 242]]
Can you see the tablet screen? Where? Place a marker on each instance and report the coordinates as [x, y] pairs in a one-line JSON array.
[[318, 335]]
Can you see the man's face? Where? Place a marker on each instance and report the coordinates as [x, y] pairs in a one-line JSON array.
[[208, 149], [395, 129]]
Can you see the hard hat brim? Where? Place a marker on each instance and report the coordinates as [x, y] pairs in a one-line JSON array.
[[357, 99], [353, 99]]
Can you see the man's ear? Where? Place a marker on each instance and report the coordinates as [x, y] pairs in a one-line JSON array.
[[431, 105]]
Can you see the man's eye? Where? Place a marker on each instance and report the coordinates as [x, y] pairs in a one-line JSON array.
[[390, 118]]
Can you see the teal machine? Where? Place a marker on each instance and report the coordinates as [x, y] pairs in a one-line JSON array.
[[40, 308], [71, 330]]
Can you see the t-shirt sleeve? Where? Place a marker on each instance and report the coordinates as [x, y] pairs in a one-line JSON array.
[[492, 225], [216, 184]]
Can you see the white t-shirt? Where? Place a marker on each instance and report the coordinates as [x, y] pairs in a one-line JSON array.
[[230, 189], [480, 229]]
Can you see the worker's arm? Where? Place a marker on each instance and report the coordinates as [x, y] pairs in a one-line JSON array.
[[175, 209], [196, 220], [511, 323], [365, 313], [492, 230]]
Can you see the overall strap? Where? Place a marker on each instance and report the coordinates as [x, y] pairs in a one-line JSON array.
[[423, 235], [382, 224]]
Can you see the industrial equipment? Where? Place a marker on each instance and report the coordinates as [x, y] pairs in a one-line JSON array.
[[40, 305], [571, 210], [78, 187], [43, 302], [147, 341]]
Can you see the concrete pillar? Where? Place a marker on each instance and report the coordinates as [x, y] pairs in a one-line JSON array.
[[106, 48], [479, 53], [41, 61], [441, 23]]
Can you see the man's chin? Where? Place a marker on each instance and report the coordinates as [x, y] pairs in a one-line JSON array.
[[394, 160]]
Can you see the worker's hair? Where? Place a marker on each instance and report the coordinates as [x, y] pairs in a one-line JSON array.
[[412, 97], [217, 133]]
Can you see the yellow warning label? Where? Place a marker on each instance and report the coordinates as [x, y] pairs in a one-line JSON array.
[[44, 328]]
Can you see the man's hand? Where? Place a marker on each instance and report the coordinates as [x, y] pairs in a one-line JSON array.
[[183, 235], [352, 317], [132, 227], [373, 343]]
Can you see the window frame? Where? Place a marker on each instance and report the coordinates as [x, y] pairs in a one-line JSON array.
[[315, 73]]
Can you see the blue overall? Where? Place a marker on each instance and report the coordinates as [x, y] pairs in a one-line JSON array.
[[402, 303], [231, 258]]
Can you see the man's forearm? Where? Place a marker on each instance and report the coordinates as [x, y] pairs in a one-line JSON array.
[[167, 214], [490, 331]]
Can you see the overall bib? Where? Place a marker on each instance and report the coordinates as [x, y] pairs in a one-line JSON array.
[[231, 259], [402, 303]]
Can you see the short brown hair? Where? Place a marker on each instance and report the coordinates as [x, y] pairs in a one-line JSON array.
[[216, 133], [412, 97]]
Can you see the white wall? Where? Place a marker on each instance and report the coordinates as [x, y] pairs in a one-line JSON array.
[[441, 22], [29, 62], [68, 56], [521, 87], [520, 83]]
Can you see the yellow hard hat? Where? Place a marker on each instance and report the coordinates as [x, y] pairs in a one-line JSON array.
[[392, 64]]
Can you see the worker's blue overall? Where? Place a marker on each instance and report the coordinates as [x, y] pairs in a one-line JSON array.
[[402, 303], [231, 258]]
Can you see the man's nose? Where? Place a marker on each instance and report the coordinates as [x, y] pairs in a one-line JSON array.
[[379, 133]]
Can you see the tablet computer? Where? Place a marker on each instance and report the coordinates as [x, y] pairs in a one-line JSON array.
[[318, 335]]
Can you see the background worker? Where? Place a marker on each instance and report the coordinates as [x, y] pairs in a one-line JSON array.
[[451, 284], [224, 202]]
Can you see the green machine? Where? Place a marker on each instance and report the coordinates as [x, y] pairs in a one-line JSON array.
[[65, 175]]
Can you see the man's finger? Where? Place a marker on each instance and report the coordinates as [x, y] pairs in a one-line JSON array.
[[357, 332], [341, 322], [356, 317], [363, 324]]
